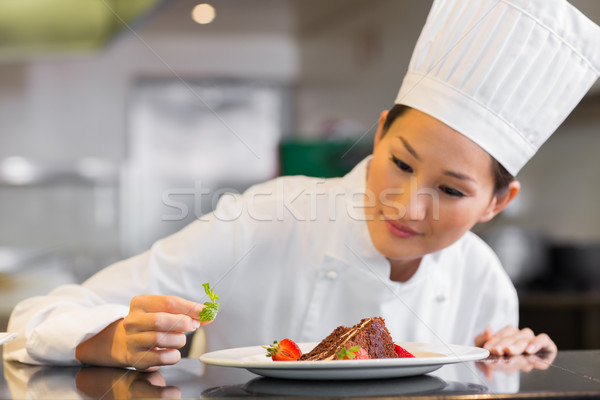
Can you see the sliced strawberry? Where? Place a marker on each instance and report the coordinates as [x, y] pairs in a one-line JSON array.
[[353, 353], [286, 350], [362, 355], [402, 352]]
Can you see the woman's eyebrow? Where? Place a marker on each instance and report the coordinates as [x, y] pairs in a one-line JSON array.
[[409, 148], [453, 174], [458, 175]]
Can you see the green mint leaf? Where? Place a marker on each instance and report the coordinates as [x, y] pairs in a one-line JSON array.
[[349, 353], [210, 292], [209, 312]]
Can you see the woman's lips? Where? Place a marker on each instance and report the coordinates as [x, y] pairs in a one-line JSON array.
[[399, 229]]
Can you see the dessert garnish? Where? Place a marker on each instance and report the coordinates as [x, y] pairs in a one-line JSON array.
[[209, 312], [286, 350], [402, 352], [353, 353]]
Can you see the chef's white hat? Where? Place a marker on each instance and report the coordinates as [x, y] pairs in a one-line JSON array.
[[504, 73]]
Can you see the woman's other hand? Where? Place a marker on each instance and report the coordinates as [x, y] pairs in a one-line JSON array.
[[512, 341], [148, 337]]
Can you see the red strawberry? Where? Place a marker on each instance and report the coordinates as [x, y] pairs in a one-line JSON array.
[[362, 355], [286, 350], [353, 353], [402, 352]]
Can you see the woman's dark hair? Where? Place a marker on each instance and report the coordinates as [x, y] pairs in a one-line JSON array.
[[501, 176]]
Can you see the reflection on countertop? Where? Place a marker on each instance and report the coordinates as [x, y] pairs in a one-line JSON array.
[[574, 373]]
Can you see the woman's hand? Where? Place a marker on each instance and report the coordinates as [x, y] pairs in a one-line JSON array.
[[512, 341], [148, 337]]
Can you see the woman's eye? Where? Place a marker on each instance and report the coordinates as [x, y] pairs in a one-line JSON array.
[[401, 164], [451, 192]]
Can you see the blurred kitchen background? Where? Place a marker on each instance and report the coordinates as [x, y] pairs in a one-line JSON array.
[[121, 119]]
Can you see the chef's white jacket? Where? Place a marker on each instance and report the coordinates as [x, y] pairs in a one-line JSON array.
[[289, 258]]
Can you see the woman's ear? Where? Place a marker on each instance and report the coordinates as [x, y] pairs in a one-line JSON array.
[[499, 202], [380, 132]]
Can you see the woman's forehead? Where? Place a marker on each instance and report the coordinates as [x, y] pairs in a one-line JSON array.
[[416, 128]]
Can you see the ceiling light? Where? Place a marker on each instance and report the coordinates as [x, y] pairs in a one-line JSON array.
[[203, 13]]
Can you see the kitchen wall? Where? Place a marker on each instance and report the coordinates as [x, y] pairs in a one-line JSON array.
[[352, 65]]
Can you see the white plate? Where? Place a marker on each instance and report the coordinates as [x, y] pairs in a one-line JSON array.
[[6, 336], [429, 357]]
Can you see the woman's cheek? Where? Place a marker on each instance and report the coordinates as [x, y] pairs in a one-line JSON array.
[[454, 217]]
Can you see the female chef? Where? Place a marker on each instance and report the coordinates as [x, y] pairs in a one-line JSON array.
[[487, 84]]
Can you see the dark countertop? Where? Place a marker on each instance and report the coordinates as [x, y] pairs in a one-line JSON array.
[[572, 375]]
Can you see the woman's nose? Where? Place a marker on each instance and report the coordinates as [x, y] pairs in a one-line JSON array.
[[419, 201], [418, 205]]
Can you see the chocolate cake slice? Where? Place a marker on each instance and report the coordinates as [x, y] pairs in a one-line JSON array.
[[370, 334]]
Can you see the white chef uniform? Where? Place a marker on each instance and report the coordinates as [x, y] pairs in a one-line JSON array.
[[289, 258]]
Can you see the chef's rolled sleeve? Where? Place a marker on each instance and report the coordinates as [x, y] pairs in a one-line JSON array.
[[50, 330], [55, 339]]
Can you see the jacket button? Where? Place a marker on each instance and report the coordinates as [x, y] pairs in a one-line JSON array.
[[332, 275]]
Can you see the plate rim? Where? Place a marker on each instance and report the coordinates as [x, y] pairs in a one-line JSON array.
[[470, 353]]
